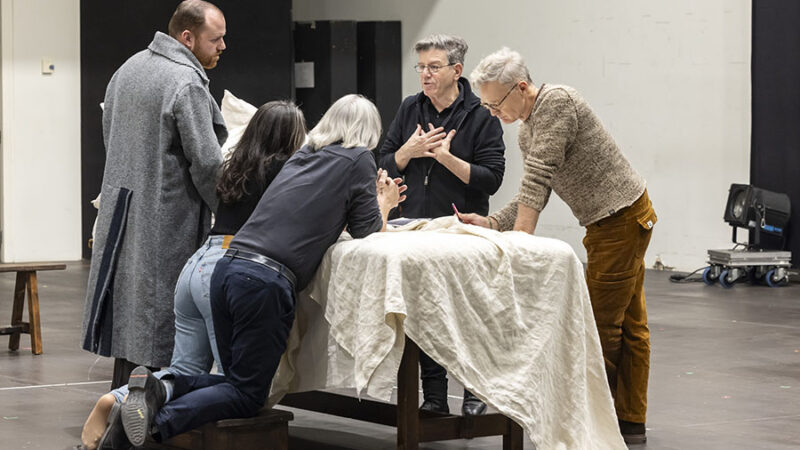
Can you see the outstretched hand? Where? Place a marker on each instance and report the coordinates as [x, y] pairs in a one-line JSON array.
[[474, 219]]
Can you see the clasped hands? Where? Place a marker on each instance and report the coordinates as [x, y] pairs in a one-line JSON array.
[[434, 143], [389, 190]]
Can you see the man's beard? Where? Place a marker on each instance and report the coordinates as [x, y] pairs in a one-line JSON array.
[[211, 62]]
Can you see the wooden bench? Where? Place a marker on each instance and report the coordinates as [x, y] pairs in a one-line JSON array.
[[26, 280], [269, 430]]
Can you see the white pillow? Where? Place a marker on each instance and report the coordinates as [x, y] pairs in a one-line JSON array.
[[237, 114]]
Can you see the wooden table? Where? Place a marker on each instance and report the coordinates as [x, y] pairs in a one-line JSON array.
[[26, 281], [413, 426]]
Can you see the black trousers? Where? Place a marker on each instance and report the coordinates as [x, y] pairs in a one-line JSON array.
[[253, 310], [434, 378]]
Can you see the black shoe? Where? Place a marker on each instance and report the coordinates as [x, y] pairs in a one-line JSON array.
[[434, 392], [146, 397], [114, 437], [632, 432], [472, 406], [437, 406]]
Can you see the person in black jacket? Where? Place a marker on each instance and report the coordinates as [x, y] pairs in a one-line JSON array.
[[448, 149]]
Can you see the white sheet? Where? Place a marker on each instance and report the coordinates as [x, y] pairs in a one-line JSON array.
[[507, 314]]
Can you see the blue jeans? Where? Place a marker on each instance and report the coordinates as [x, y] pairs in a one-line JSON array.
[[195, 342], [253, 308]]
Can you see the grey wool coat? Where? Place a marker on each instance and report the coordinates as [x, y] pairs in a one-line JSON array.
[[162, 131]]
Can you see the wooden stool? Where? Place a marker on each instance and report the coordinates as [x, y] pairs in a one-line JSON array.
[[269, 430], [26, 279]]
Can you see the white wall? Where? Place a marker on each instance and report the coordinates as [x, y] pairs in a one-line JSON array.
[[41, 169], [671, 81]]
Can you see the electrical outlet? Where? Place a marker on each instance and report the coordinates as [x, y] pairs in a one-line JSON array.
[[48, 67]]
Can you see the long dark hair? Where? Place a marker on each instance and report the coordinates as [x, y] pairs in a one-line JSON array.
[[275, 132]]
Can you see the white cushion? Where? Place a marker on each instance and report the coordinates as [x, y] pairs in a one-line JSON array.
[[237, 114]]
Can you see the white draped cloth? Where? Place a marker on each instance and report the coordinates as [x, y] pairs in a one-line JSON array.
[[507, 314]]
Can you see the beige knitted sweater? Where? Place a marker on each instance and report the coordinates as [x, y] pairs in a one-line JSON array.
[[566, 148]]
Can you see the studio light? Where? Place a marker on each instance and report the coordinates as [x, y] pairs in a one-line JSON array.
[[763, 258], [761, 211]]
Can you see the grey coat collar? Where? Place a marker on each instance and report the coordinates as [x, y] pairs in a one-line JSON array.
[[173, 50]]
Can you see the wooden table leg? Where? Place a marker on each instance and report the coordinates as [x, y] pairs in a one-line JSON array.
[[408, 398], [33, 314], [512, 440], [16, 311]]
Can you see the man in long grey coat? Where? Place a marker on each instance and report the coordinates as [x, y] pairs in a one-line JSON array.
[[162, 131]]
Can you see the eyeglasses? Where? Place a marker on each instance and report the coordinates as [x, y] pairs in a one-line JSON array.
[[496, 106], [432, 68]]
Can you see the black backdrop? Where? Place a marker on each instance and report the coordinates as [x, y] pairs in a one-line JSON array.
[[350, 56], [257, 66], [775, 139]]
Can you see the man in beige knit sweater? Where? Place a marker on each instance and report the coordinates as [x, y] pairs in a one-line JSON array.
[[565, 148]]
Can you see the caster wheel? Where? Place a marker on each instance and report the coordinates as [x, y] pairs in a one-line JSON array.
[[772, 282], [723, 280], [708, 276]]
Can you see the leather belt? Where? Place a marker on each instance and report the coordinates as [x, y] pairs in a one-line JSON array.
[[264, 261]]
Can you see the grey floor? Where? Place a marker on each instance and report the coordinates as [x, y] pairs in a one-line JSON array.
[[725, 373]]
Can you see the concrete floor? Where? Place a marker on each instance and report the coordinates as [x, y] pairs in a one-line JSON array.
[[725, 373]]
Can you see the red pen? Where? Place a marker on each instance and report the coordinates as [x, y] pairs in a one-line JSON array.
[[458, 214]]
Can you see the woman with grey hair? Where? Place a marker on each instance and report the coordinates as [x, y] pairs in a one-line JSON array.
[[352, 120], [326, 186], [567, 149], [450, 151]]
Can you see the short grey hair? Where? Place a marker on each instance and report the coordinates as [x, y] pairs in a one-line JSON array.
[[352, 120], [504, 66], [455, 46]]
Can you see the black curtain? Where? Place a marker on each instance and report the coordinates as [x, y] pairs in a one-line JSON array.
[[350, 57], [380, 69], [331, 47], [257, 66], [775, 139]]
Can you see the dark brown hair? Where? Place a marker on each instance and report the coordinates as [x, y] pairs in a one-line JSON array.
[[276, 131], [189, 15]]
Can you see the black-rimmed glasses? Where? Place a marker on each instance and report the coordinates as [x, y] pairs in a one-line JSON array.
[[496, 106], [432, 68]]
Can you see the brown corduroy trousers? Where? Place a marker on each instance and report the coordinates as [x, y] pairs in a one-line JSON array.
[[615, 248]]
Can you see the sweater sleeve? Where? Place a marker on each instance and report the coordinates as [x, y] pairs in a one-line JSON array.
[[489, 163], [555, 124], [507, 215]]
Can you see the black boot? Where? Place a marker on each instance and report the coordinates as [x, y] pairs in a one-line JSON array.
[[437, 406], [434, 391], [146, 397], [434, 385], [632, 432], [472, 406]]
